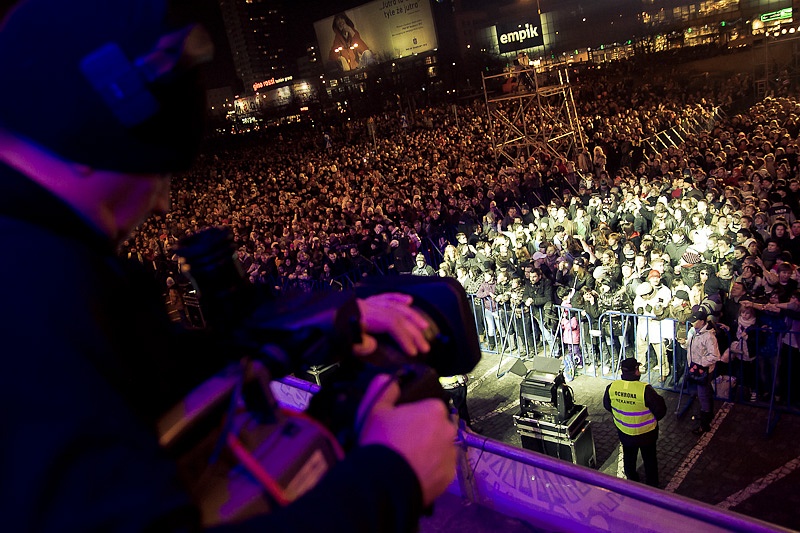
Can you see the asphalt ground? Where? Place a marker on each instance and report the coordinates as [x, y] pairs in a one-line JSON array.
[[735, 466]]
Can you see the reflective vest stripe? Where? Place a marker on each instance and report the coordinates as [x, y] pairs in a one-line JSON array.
[[630, 413], [646, 423]]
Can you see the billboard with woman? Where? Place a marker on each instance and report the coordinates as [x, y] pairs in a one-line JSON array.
[[379, 31]]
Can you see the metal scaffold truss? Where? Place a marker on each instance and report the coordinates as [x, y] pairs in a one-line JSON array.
[[532, 112]]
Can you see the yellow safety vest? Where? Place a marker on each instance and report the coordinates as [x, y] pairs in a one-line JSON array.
[[451, 382], [631, 415]]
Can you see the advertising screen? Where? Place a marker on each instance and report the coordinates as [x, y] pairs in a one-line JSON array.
[[375, 32]]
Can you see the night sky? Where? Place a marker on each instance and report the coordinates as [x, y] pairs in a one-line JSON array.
[[301, 15]]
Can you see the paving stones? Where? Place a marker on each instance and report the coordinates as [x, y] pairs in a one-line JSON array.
[[734, 459]]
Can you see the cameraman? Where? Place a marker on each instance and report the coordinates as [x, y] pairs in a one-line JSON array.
[[90, 367]]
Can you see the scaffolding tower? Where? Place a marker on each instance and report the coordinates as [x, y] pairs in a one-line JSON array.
[[532, 111]]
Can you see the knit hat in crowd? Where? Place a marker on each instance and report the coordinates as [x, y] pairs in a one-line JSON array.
[[682, 295], [691, 258], [120, 73], [643, 289], [698, 313], [599, 272]]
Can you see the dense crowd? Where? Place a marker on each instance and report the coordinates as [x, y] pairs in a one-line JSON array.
[[625, 225]]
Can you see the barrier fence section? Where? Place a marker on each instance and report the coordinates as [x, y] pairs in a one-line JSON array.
[[594, 346], [556, 495], [758, 365]]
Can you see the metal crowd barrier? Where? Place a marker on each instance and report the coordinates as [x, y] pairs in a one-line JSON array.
[[555, 495], [692, 122], [595, 347]]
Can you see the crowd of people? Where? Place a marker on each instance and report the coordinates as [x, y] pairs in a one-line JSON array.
[[625, 225]]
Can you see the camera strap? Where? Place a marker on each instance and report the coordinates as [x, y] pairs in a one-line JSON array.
[[255, 469]]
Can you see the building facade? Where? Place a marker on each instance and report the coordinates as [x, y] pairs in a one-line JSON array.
[[559, 30], [258, 33]]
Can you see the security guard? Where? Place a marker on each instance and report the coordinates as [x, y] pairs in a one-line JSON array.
[[456, 388], [636, 408]]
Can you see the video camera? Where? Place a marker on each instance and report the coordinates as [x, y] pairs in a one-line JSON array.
[[237, 450]]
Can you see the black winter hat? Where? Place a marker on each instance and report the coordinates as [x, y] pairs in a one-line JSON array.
[[629, 365], [109, 84]]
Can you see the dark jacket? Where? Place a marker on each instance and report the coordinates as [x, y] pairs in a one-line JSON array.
[[402, 259], [87, 370], [542, 292]]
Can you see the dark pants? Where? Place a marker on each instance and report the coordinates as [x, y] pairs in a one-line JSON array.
[[522, 326], [646, 442], [705, 395], [680, 362], [631, 453], [458, 395], [747, 370], [477, 309], [506, 329]]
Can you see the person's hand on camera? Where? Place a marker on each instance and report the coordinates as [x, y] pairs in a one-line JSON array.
[[421, 432], [391, 313]]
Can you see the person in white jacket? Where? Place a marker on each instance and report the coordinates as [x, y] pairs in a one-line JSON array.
[[651, 302], [702, 349]]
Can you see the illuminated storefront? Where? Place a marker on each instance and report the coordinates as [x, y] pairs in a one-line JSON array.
[[570, 30]]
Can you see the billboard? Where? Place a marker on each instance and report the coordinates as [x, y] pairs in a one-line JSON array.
[[520, 36], [375, 32]]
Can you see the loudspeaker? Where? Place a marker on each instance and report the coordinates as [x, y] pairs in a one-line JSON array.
[[546, 365], [519, 369]]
